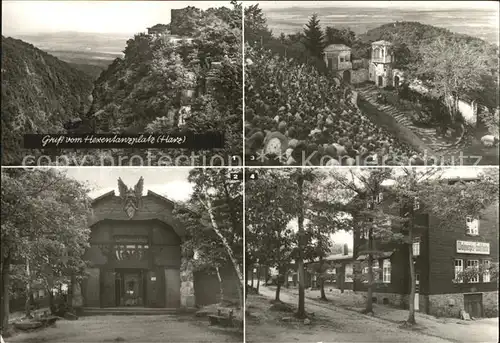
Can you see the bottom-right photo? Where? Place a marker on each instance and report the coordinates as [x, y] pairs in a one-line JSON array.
[[367, 254]]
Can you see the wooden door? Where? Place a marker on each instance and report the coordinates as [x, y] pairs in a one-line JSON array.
[[153, 289], [380, 81], [473, 304], [330, 63], [108, 288], [172, 288]]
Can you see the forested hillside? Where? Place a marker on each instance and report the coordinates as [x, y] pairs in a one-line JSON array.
[[39, 94], [145, 90]]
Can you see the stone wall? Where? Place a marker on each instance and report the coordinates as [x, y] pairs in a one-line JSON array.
[[359, 75], [446, 305], [490, 304], [450, 305], [393, 299]]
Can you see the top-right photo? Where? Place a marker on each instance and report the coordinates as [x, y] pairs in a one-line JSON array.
[[365, 83]]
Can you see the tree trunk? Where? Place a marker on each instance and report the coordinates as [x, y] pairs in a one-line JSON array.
[[27, 305], [342, 278], [301, 311], [70, 290], [287, 284], [278, 288], [258, 279], [322, 285], [322, 278], [229, 251], [221, 288], [251, 277], [369, 303], [5, 309], [267, 276], [52, 304], [411, 300]]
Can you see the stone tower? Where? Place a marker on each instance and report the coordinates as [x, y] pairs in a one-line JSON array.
[[381, 63]]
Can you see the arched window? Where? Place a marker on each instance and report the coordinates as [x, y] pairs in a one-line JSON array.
[[382, 52]]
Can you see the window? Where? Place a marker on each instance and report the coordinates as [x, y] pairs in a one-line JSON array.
[[341, 59], [416, 246], [486, 273], [472, 225], [416, 203], [386, 271], [376, 270], [379, 198], [473, 264], [348, 273], [459, 267], [130, 251]]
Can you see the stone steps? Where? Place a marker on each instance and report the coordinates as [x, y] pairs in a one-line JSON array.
[[428, 135]]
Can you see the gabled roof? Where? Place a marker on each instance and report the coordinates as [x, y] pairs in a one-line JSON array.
[[150, 193], [337, 47], [381, 42]]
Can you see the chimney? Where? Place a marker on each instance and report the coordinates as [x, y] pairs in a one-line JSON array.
[[346, 249]]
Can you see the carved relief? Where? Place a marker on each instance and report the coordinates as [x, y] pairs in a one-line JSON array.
[[131, 197]]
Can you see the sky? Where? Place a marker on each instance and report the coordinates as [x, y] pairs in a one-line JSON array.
[[28, 17], [420, 5], [170, 182]]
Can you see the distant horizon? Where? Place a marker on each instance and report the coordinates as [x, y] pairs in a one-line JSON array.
[[403, 5], [106, 17]]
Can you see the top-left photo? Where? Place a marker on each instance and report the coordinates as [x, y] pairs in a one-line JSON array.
[[122, 83]]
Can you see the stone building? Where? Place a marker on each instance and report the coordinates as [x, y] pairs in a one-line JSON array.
[[338, 59], [381, 63], [439, 254], [135, 257]]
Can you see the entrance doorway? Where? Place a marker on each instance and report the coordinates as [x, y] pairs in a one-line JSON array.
[[129, 287], [346, 76], [396, 81], [380, 81], [473, 304]]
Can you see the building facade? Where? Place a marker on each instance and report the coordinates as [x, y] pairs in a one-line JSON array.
[[381, 63], [440, 253], [338, 59], [135, 257]]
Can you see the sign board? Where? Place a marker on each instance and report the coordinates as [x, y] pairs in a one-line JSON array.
[[466, 247], [131, 239]]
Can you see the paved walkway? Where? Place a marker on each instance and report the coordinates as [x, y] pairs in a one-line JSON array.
[[329, 324], [483, 330]]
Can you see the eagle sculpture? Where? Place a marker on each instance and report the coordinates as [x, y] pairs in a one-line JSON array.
[[131, 197]]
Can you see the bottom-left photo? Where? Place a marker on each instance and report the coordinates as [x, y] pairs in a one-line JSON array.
[[105, 254]]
